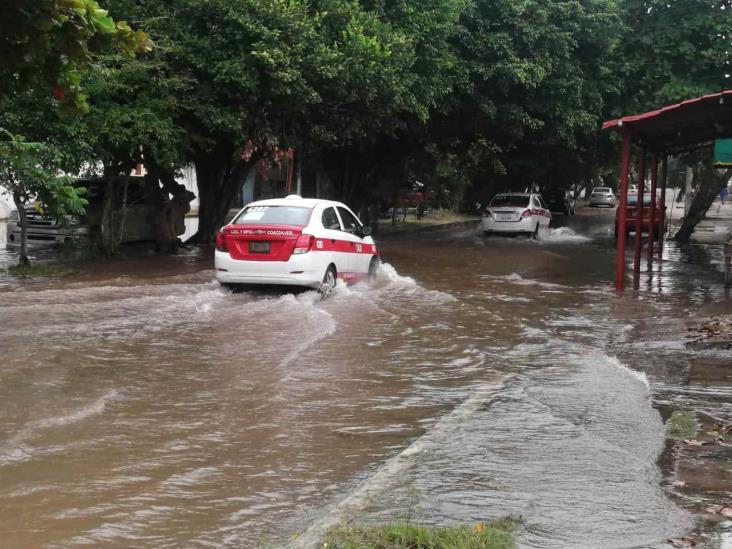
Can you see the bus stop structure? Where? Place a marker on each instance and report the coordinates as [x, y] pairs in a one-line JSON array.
[[671, 130]]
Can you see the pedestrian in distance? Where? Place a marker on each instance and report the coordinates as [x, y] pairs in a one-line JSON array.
[[723, 193]]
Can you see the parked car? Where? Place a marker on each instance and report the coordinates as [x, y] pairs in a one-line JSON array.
[[295, 241], [43, 229], [138, 224], [602, 196], [660, 221], [561, 201], [516, 213]]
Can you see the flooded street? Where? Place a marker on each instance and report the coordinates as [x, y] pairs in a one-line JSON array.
[[141, 404]]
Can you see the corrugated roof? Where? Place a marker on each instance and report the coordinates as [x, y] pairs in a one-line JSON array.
[[681, 125]]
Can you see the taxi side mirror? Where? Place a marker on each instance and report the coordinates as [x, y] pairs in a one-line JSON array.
[[365, 230]]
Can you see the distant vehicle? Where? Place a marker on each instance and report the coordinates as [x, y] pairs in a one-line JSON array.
[[660, 221], [516, 213], [295, 241], [43, 229], [138, 224], [561, 201], [602, 196]]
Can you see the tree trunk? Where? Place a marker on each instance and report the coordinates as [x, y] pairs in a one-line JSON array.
[[169, 213], [107, 235], [218, 184], [23, 222], [708, 189]]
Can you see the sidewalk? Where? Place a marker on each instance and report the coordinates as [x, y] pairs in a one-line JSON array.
[[716, 227]]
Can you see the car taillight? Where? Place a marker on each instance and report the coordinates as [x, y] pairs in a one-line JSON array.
[[221, 242], [487, 213], [527, 213], [304, 244]]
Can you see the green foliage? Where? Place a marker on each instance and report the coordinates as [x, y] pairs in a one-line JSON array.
[[494, 535], [682, 424], [671, 51], [45, 43], [29, 172]]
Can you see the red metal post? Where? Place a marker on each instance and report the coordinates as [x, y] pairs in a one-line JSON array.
[[620, 253], [662, 228], [652, 222], [639, 217]]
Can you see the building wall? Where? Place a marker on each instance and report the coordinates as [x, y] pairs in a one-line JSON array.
[[5, 204]]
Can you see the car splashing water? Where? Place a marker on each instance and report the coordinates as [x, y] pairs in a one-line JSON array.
[[142, 404]]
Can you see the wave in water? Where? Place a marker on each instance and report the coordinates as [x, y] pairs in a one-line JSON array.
[[12, 450]]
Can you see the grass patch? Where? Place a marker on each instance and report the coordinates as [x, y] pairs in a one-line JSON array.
[[430, 219], [35, 270], [682, 424], [498, 534]]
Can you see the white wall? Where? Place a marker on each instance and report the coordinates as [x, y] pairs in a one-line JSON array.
[[5, 204], [188, 178]]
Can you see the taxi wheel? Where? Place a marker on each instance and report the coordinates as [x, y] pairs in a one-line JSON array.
[[374, 267], [329, 281]]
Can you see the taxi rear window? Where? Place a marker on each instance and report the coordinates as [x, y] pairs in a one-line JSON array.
[[274, 215], [510, 201]]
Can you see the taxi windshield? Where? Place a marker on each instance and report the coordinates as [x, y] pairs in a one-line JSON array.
[[510, 201], [274, 215]]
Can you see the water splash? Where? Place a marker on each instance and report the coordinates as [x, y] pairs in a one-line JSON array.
[[562, 235]]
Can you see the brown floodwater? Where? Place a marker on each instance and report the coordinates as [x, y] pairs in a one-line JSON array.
[[141, 404]]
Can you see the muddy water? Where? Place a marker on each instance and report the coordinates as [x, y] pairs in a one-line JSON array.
[[142, 404]]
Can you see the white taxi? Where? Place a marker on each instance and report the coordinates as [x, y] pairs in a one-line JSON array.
[[516, 213], [295, 241]]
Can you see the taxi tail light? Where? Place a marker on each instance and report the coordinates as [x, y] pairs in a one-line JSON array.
[[304, 244], [221, 242], [487, 213], [527, 213]]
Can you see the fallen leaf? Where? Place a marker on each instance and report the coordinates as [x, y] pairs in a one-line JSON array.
[[682, 542], [692, 442]]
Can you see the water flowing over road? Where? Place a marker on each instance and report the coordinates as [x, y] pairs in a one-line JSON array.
[[142, 404]]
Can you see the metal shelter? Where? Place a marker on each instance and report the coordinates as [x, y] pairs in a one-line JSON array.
[[673, 129]]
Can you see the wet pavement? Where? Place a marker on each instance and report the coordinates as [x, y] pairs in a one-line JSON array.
[[144, 405]]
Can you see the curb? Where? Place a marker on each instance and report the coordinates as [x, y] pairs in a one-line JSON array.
[[408, 231]]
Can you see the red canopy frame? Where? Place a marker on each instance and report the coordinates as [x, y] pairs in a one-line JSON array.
[[673, 129]]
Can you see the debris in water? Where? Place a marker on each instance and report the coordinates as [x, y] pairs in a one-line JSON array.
[[713, 333], [722, 510], [682, 542], [694, 442]]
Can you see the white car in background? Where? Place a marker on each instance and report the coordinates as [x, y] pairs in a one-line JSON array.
[[295, 241], [602, 196], [516, 213]]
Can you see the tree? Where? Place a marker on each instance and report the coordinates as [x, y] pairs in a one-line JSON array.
[[27, 171], [671, 51]]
